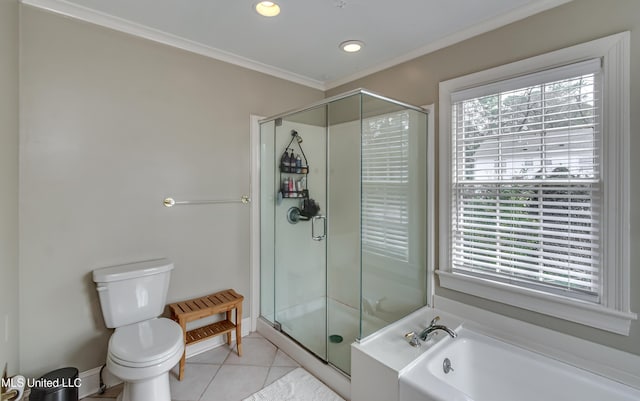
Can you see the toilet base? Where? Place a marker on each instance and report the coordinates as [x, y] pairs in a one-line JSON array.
[[154, 389]]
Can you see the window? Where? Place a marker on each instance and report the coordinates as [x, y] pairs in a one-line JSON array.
[[534, 226], [385, 186], [527, 207]]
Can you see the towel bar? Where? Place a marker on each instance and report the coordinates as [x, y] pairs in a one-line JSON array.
[[168, 202]]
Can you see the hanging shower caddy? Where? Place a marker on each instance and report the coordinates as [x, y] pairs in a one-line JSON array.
[[294, 170]]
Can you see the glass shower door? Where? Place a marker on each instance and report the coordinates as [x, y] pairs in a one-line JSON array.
[[300, 245]]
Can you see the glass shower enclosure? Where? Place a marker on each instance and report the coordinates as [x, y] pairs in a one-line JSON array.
[[343, 228]]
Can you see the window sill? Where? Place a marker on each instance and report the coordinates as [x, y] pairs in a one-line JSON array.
[[596, 316]]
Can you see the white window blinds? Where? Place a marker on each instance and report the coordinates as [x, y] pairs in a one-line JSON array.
[[385, 185], [526, 181]]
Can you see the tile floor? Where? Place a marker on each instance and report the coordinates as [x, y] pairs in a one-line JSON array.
[[220, 375]]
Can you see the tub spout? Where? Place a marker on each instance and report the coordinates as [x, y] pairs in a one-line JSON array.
[[426, 333]]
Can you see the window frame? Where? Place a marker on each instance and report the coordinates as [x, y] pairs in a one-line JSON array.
[[613, 312]]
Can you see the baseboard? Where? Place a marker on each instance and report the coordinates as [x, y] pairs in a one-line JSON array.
[[90, 379]]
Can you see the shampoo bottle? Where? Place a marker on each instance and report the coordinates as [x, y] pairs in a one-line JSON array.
[[285, 162], [298, 164]]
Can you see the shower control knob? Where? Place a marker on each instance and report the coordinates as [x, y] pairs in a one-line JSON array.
[[413, 339]]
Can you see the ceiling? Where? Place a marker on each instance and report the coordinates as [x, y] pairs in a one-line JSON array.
[[301, 44]]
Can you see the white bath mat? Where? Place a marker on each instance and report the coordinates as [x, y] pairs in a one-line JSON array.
[[297, 385]]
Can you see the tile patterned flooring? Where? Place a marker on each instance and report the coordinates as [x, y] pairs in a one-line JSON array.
[[220, 375]]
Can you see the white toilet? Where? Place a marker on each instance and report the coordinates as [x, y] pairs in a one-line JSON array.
[[144, 347]]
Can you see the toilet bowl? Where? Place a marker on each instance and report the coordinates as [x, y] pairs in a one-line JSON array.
[[142, 354], [143, 347]]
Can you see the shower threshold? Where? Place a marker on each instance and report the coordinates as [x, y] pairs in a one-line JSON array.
[[335, 378]]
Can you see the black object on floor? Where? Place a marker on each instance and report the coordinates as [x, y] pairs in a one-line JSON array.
[[58, 385]]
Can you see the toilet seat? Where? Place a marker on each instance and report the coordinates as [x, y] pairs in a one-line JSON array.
[[146, 343]]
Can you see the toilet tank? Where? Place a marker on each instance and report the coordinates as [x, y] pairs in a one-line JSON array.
[[133, 292]]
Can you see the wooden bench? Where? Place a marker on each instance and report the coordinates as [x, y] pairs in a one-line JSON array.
[[198, 308]]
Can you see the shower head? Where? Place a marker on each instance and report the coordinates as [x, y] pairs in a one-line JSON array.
[[294, 134]]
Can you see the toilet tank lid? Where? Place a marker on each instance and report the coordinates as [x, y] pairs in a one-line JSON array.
[[131, 270]]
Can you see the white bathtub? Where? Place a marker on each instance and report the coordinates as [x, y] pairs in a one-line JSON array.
[[485, 369]]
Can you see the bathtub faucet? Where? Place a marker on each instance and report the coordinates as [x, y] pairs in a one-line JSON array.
[[426, 333]]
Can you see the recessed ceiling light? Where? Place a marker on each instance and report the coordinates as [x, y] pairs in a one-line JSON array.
[[351, 46], [268, 8]]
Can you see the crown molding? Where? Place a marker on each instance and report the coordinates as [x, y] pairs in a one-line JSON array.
[[475, 30], [75, 11]]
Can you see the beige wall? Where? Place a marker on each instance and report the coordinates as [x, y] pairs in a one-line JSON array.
[[110, 125], [416, 82], [9, 185]]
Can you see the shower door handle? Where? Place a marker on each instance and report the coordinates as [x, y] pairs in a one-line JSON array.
[[313, 228]]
